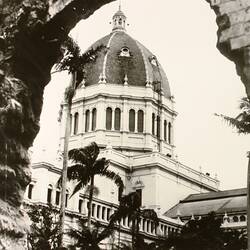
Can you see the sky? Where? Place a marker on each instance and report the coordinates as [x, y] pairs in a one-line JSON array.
[[182, 34]]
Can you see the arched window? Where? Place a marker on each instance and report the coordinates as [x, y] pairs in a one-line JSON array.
[[131, 120], [158, 128], [169, 132], [140, 121], [49, 194], [30, 190], [165, 130], [153, 124], [94, 119], [242, 218], [108, 118], [87, 114], [76, 118], [117, 119], [235, 219]]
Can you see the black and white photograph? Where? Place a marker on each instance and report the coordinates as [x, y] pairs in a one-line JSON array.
[[124, 125]]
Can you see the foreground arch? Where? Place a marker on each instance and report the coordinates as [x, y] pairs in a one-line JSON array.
[[36, 34]]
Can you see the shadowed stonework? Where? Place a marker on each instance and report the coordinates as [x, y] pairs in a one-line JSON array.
[[233, 20], [30, 44]]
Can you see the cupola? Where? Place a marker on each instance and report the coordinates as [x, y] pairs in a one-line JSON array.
[[119, 20]]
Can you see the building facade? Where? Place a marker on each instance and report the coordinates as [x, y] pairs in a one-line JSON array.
[[125, 105]]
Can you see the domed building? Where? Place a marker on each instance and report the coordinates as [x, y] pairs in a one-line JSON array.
[[125, 105]]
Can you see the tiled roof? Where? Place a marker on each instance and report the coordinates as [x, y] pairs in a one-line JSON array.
[[138, 67], [229, 201]]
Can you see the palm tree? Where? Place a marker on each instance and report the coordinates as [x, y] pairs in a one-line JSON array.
[[130, 206], [89, 238], [242, 121], [74, 62], [84, 169], [242, 124]]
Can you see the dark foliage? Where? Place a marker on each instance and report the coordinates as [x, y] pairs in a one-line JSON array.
[[89, 238], [205, 234], [44, 228]]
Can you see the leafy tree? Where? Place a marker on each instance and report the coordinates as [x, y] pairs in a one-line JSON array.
[[89, 238], [44, 228], [130, 205], [84, 169]]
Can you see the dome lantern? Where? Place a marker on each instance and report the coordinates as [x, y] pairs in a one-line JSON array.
[[119, 20]]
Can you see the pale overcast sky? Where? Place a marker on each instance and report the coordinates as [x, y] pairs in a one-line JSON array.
[[182, 34]]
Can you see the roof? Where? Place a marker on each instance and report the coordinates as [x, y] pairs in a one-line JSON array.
[[140, 67], [229, 201]]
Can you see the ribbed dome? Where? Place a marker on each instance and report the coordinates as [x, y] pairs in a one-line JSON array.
[[125, 58]]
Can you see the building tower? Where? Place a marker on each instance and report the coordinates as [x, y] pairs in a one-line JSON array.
[[125, 98]]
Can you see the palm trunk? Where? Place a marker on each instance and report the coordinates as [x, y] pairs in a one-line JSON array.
[[65, 164], [90, 200]]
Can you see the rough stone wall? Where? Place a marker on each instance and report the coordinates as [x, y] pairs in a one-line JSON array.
[[233, 20]]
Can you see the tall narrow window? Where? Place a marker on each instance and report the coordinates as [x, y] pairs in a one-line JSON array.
[[87, 114], [108, 213], [140, 121], [94, 119], [98, 208], [139, 193], [70, 125], [103, 212], [117, 119], [169, 132], [158, 128], [120, 189], [58, 194], [30, 191], [131, 120], [49, 194], [66, 198], [76, 119], [108, 118], [153, 124], [165, 130], [93, 210], [80, 202]]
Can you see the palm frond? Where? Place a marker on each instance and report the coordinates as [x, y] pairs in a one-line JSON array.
[[78, 187], [86, 155], [114, 177], [79, 155], [100, 165], [241, 123], [74, 172]]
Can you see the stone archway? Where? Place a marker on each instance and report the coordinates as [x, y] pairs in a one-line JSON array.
[[27, 31]]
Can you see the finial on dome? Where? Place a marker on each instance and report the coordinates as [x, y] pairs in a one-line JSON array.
[[120, 4], [119, 20]]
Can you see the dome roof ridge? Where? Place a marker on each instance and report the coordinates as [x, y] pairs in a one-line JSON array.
[[125, 57]]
